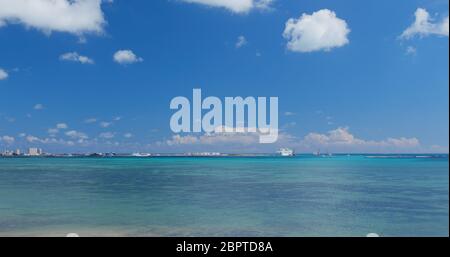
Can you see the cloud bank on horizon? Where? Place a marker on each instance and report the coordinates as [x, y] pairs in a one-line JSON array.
[[337, 140]]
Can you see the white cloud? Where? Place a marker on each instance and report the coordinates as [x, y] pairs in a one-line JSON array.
[[424, 26], [322, 30], [342, 139], [337, 140], [263, 4], [71, 16], [402, 142], [90, 120], [107, 135], [337, 136], [410, 50], [32, 139], [75, 57], [38, 107], [105, 124], [128, 135], [181, 140], [289, 113], [53, 131], [76, 135], [7, 139], [52, 140], [62, 126], [236, 6], [241, 41], [3, 74], [126, 57]]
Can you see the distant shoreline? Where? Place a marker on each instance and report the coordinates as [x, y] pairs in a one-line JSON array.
[[228, 155]]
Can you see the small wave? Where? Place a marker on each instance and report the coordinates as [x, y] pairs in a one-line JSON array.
[[407, 156]]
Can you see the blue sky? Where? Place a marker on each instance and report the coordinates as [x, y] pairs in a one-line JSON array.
[[379, 83]]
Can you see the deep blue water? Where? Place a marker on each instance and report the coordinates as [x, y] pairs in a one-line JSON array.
[[264, 196]]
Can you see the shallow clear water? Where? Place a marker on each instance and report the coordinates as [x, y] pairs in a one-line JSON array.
[[264, 196]]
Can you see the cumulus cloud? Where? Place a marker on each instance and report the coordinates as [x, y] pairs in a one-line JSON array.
[[52, 140], [71, 16], [7, 139], [181, 140], [424, 26], [105, 124], [236, 6], [55, 130], [75, 57], [62, 126], [402, 142], [32, 139], [241, 41], [321, 30], [76, 135], [342, 139], [337, 140], [3, 74], [126, 57]]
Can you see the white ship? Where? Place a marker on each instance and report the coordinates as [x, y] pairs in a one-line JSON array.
[[286, 152], [141, 155]]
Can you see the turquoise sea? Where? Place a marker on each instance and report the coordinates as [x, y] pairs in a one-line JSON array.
[[258, 196]]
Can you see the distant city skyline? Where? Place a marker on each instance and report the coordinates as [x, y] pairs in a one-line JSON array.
[[98, 76]]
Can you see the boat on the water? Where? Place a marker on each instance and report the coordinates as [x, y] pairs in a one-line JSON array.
[[141, 155], [286, 152]]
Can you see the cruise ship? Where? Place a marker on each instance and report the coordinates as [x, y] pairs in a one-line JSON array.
[[286, 152]]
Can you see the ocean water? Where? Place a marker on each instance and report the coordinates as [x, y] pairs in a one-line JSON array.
[[259, 196]]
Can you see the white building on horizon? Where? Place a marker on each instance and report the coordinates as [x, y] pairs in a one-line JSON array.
[[34, 151]]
